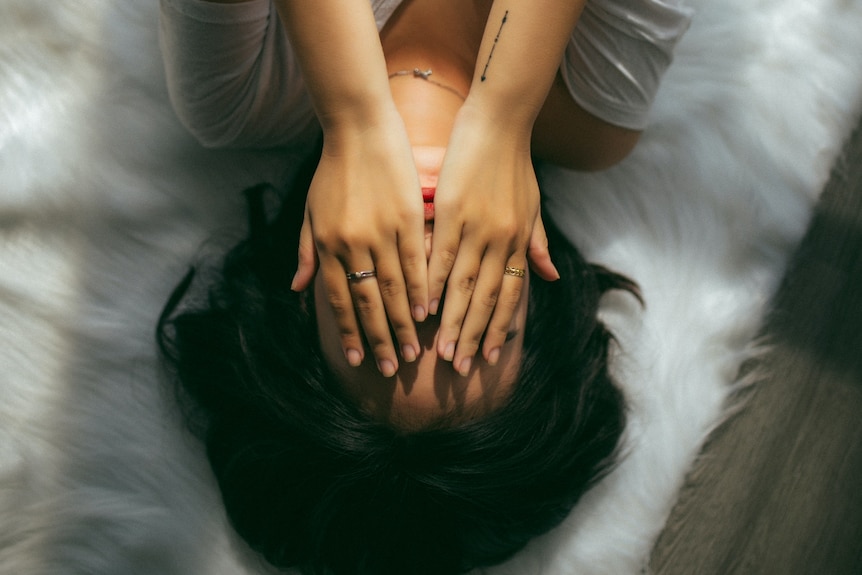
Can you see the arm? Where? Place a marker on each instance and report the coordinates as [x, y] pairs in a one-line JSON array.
[[364, 209], [235, 80], [488, 163]]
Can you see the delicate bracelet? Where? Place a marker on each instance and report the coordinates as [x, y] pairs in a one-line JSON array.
[[417, 73]]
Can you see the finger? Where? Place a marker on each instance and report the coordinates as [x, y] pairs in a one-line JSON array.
[[538, 254], [339, 298], [414, 269], [307, 258], [459, 292], [392, 287], [371, 312], [500, 324], [483, 305], [444, 249]]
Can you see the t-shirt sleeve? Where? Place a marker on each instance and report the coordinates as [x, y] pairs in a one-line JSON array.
[[232, 76], [618, 53]]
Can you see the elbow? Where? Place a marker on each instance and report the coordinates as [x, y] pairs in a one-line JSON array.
[[210, 130], [213, 139], [219, 124], [214, 117]]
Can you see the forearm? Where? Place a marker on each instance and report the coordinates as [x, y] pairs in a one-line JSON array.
[[339, 52], [519, 57]]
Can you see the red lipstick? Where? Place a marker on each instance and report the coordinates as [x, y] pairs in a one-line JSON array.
[[428, 199]]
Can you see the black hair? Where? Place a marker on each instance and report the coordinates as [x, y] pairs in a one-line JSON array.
[[310, 480]]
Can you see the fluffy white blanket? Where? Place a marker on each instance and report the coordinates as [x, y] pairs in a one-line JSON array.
[[104, 200]]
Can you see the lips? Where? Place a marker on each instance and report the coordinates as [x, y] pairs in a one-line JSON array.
[[428, 200]]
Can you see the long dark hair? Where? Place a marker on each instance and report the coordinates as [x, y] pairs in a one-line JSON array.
[[310, 480]]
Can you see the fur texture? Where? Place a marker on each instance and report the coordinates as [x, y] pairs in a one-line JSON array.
[[104, 200]]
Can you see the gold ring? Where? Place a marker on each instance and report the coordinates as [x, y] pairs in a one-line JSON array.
[[517, 272]]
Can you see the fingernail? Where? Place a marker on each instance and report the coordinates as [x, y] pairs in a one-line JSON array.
[[354, 358], [293, 282], [449, 352], [556, 273], [494, 356], [432, 307], [465, 366], [419, 313], [386, 367], [409, 353]]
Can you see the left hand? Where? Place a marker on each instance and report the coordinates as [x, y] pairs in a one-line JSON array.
[[487, 217]]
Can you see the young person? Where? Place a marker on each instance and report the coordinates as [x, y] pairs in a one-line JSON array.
[[568, 81], [345, 466], [342, 471]]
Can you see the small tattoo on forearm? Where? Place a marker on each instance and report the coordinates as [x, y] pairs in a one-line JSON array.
[[494, 45]]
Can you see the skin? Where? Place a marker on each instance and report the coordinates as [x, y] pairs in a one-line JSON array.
[[426, 390], [364, 208], [363, 167]]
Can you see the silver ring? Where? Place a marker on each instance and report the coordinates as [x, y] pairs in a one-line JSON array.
[[517, 272], [361, 275]]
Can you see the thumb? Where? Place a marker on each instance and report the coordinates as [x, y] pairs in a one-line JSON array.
[[538, 254], [307, 258]]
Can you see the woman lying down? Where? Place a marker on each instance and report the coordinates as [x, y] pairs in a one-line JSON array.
[[357, 420]]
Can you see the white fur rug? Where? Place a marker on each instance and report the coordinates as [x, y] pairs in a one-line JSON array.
[[104, 200]]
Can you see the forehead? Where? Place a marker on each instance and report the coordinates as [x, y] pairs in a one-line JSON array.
[[428, 390]]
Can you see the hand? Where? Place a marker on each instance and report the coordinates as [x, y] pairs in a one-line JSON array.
[[364, 212], [487, 217]]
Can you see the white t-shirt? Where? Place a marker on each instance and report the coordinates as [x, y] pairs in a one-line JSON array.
[[234, 79]]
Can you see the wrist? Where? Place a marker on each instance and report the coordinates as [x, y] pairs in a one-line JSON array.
[[355, 109], [509, 114], [498, 127], [379, 127]]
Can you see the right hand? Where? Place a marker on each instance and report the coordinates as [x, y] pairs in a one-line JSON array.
[[364, 212]]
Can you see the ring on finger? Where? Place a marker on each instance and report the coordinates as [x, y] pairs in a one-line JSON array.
[[361, 275], [516, 272]]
